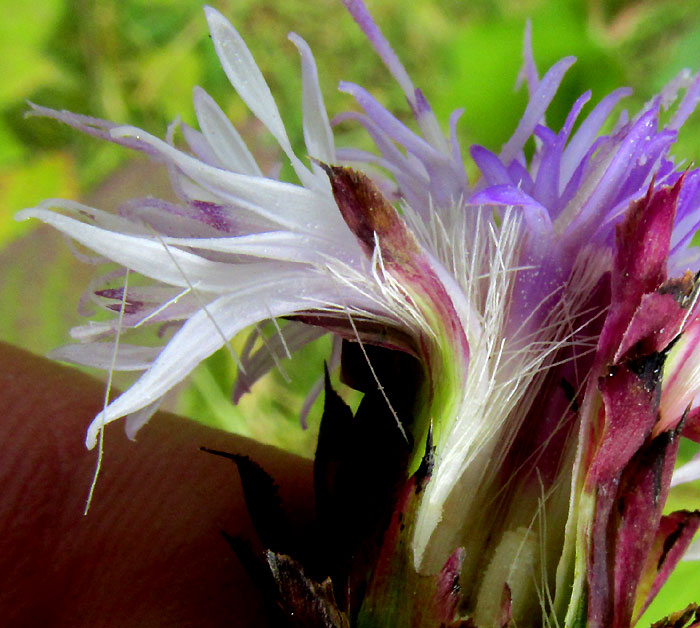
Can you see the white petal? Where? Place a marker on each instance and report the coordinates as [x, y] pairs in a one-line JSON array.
[[317, 129], [99, 355], [248, 81], [693, 552], [199, 146], [224, 140], [199, 337], [106, 220], [317, 388], [185, 187], [681, 376], [294, 337], [688, 472], [291, 206], [280, 245], [148, 295], [136, 420], [152, 258], [242, 219]]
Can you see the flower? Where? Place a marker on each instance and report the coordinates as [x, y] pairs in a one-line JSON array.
[[551, 305]]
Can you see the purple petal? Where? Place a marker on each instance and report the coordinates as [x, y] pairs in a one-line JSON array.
[[687, 106], [534, 214], [538, 104], [584, 138], [528, 71], [520, 176], [607, 183], [643, 163], [364, 20], [573, 115], [447, 179], [688, 216], [456, 148], [389, 123], [384, 143], [495, 173], [546, 189]]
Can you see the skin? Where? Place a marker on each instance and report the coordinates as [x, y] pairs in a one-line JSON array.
[[149, 552]]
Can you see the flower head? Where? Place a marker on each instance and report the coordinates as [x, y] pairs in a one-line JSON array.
[[551, 305]]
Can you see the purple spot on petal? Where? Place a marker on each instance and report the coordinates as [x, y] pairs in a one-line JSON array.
[[213, 215], [111, 293], [163, 329], [421, 105], [130, 307]]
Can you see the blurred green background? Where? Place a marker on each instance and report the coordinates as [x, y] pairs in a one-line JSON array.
[[135, 61]]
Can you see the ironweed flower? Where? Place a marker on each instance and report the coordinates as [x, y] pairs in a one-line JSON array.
[[551, 306]]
